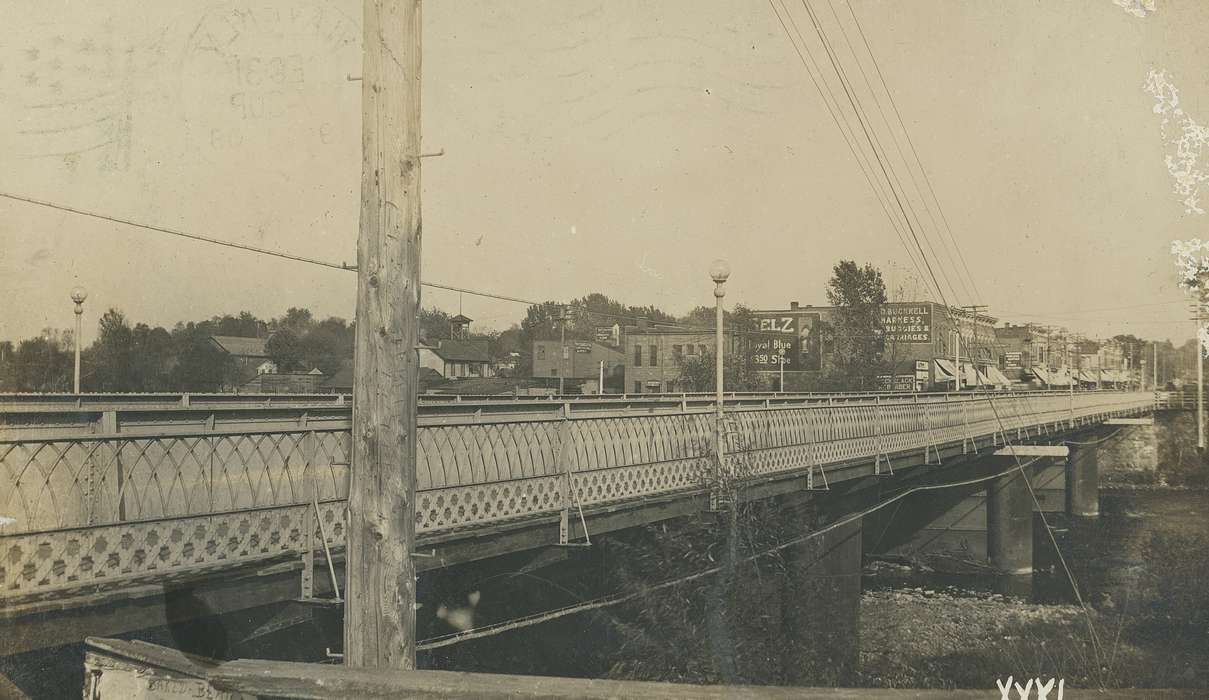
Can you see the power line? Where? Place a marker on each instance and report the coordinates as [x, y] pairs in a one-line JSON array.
[[242, 246], [175, 232], [898, 148], [911, 143], [881, 164], [871, 132], [840, 120]]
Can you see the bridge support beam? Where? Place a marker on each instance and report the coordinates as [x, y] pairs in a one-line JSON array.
[[1010, 525], [820, 609], [1083, 481]]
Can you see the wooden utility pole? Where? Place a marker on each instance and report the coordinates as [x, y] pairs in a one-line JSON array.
[[379, 614]]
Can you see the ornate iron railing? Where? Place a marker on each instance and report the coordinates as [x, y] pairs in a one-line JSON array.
[[180, 493]]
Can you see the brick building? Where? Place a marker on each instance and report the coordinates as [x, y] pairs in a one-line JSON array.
[[920, 343], [655, 356]]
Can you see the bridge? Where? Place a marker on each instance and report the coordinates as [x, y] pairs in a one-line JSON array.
[[109, 500]]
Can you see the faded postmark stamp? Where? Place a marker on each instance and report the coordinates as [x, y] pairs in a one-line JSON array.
[[259, 64]]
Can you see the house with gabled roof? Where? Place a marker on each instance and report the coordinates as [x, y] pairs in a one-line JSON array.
[[247, 352], [457, 359]]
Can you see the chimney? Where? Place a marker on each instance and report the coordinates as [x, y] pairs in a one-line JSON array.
[[642, 324], [793, 305]]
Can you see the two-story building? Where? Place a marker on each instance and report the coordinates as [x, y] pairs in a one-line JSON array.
[[920, 343], [577, 360], [655, 356]]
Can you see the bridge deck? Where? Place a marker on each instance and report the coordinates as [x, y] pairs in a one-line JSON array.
[[104, 500]]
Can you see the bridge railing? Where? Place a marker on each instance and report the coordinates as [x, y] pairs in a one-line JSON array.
[[147, 494], [24, 404]]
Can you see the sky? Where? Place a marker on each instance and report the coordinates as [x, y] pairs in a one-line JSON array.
[[600, 146]]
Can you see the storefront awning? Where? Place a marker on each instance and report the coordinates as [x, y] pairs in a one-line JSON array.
[[997, 378], [944, 370], [1059, 378], [1043, 375]]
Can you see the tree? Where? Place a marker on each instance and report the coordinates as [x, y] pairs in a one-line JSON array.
[[327, 346], [245, 325], [112, 355], [7, 380], [153, 357], [285, 350], [858, 294], [434, 324], [297, 321], [702, 316], [42, 364], [200, 366]]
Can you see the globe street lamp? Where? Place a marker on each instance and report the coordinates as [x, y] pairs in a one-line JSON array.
[[719, 271], [78, 295], [781, 384]]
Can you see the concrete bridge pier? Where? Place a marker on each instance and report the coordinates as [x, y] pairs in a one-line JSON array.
[[1083, 481], [820, 609], [1009, 509]]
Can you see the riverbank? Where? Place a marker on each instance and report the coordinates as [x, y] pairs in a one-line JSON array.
[[1141, 570]]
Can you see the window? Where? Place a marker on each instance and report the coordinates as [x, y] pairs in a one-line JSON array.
[[677, 354], [692, 349], [553, 371], [637, 355], [637, 387], [654, 355], [701, 348], [541, 351]]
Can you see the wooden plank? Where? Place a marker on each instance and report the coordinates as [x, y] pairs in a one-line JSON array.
[[10, 690], [1033, 451], [261, 679], [1130, 421], [380, 618]]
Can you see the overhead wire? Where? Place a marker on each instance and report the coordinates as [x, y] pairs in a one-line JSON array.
[[923, 171], [854, 102], [824, 90], [272, 252], [898, 148], [175, 232]]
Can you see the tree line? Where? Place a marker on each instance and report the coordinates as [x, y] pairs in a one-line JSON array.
[[137, 357]]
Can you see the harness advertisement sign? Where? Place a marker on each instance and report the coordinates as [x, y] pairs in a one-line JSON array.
[[907, 323]]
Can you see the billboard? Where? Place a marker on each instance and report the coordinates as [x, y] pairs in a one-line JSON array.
[[797, 333], [907, 323]]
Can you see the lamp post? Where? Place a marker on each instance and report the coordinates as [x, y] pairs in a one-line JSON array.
[[562, 334], [719, 271], [781, 385], [78, 295]]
